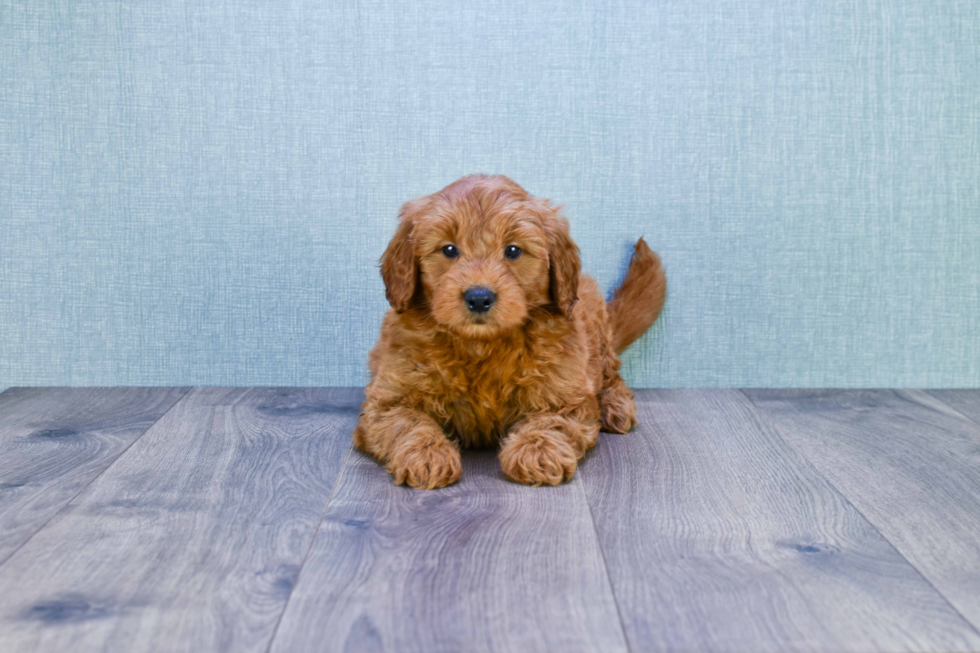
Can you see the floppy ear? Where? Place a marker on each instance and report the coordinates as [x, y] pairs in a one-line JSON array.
[[399, 266], [565, 264]]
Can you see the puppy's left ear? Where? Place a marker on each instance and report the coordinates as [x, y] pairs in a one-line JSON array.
[[565, 264], [399, 266]]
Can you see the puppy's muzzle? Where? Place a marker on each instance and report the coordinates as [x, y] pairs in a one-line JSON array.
[[479, 299]]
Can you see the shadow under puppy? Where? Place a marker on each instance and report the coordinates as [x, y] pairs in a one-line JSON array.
[[495, 336]]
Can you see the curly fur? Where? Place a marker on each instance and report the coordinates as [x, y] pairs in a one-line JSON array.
[[538, 373]]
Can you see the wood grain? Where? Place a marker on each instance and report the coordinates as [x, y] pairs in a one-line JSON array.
[[966, 402], [193, 539], [908, 462], [54, 441], [720, 537], [483, 565]]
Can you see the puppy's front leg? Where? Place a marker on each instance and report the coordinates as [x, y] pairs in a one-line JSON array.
[[544, 449], [410, 444]]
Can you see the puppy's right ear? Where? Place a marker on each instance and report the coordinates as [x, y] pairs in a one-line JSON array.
[[399, 266]]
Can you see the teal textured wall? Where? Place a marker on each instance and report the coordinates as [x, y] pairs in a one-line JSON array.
[[198, 193]]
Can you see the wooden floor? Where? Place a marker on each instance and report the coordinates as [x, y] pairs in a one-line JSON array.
[[221, 519]]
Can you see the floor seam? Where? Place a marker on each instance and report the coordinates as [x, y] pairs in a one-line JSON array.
[[96, 477], [605, 565], [951, 407], [762, 413], [316, 532]]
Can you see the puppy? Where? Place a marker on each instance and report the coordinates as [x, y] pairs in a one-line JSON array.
[[495, 337]]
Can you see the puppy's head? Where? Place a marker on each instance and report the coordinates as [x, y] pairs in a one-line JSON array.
[[479, 255]]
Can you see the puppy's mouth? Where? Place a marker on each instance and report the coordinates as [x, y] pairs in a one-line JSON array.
[[479, 327]]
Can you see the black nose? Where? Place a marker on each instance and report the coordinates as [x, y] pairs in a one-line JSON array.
[[479, 299]]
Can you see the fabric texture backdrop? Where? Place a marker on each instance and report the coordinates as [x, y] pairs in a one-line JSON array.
[[198, 193]]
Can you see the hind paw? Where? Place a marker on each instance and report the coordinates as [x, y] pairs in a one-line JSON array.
[[618, 410]]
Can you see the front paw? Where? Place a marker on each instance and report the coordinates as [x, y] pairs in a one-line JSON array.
[[538, 458], [426, 464]]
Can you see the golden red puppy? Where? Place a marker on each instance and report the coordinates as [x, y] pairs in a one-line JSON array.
[[496, 336]]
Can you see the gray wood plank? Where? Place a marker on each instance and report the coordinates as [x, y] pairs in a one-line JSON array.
[[966, 402], [908, 462], [718, 536], [54, 441], [193, 539], [483, 565]]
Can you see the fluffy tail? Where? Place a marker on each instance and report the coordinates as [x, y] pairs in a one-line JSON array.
[[636, 304]]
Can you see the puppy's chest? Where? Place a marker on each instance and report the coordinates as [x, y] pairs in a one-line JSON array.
[[482, 407], [484, 400], [480, 391]]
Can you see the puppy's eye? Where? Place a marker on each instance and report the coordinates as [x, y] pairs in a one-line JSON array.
[[450, 251], [512, 251]]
